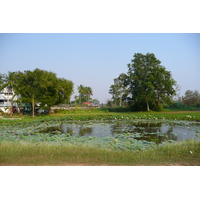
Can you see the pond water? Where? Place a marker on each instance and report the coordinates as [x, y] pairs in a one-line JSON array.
[[149, 131]]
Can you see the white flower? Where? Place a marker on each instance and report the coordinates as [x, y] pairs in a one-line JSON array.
[[190, 151]]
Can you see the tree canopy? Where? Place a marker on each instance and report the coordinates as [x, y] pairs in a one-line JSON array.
[[84, 93], [119, 89], [41, 87], [148, 83]]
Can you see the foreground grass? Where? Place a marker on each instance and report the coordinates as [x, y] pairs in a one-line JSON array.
[[28, 154]]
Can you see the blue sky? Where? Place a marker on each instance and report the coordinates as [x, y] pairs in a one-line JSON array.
[[95, 59]]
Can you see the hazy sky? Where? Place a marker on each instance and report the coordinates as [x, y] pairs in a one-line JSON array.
[[95, 59]]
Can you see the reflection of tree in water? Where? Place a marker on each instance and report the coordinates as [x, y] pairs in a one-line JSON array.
[[115, 128], [147, 127], [70, 130], [85, 131], [149, 131], [63, 128], [82, 131], [162, 136], [138, 127], [170, 134]]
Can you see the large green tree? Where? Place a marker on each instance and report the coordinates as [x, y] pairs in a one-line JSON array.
[[146, 85], [150, 83], [42, 88]]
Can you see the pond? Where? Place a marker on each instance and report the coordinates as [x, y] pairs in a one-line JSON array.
[[120, 134], [157, 132]]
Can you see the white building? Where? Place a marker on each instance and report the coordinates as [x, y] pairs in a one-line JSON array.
[[7, 98]]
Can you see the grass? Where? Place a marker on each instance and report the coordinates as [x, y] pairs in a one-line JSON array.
[[28, 154], [100, 115]]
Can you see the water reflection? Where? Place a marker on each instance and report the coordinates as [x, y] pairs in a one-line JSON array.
[[82, 130], [63, 128], [156, 132]]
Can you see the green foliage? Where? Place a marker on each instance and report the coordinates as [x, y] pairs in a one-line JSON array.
[[150, 82], [7, 81], [118, 109], [119, 91], [180, 106], [147, 84], [64, 90], [42, 88], [84, 94], [191, 98]]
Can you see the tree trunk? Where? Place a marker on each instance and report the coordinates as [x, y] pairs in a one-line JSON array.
[[147, 106], [120, 102], [33, 108], [80, 99], [11, 109]]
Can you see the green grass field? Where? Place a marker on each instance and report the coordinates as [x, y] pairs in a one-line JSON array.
[[27, 154]]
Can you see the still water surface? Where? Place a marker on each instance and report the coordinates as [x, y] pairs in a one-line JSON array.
[[157, 132]]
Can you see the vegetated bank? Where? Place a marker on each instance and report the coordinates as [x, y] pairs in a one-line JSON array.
[[23, 152]]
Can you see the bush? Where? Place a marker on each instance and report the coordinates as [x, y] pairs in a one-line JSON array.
[[178, 105], [142, 106], [119, 109]]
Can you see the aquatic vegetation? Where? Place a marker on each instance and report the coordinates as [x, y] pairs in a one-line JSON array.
[[124, 132]]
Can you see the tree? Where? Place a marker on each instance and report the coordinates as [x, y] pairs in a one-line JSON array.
[[88, 92], [119, 90], [81, 93], [146, 84], [192, 98], [42, 88], [1, 82], [150, 82], [95, 101], [84, 93], [64, 90]]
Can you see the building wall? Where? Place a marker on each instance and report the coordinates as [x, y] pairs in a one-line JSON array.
[[6, 97]]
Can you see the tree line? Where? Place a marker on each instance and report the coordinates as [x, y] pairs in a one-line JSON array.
[[146, 85], [191, 98], [43, 88], [190, 101]]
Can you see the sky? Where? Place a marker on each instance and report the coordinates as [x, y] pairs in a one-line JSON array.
[[95, 59]]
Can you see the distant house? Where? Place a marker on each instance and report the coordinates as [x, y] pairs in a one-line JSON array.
[[7, 96]]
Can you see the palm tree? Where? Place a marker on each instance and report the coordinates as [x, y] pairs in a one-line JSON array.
[[88, 92], [84, 93], [81, 92]]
